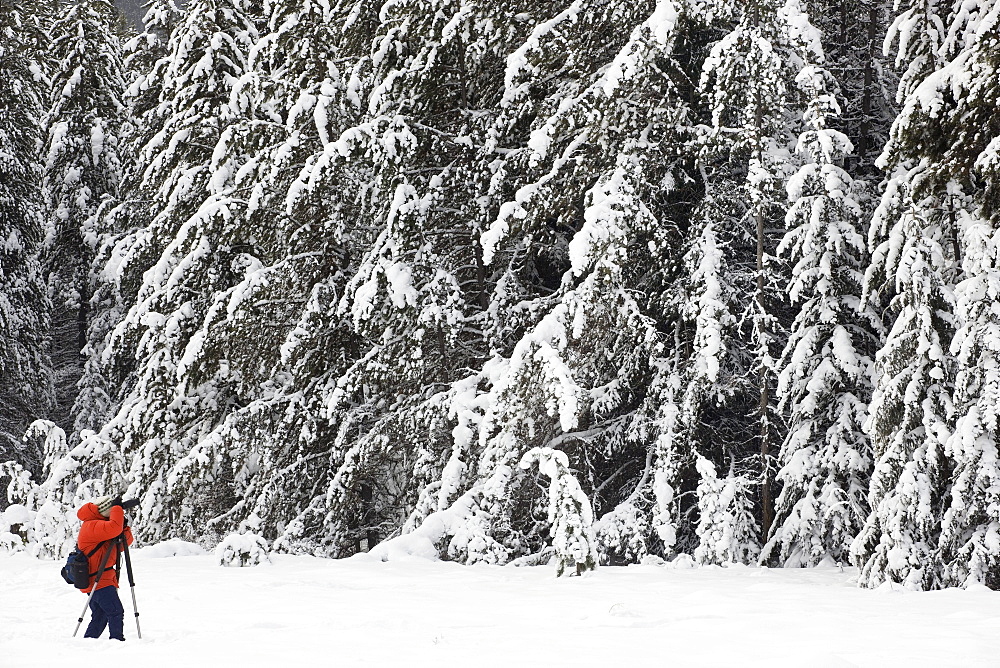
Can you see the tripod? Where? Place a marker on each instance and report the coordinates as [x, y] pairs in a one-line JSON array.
[[122, 546]]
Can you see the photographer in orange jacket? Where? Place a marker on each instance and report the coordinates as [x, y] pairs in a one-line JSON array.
[[104, 520]]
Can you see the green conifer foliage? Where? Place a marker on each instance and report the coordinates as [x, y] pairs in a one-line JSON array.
[[746, 81], [370, 262], [82, 169], [917, 260], [958, 106], [25, 371], [571, 257], [824, 381], [275, 338], [171, 269]]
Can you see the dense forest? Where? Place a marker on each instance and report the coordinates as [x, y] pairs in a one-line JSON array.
[[596, 281]]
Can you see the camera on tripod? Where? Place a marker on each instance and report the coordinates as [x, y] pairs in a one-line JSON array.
[[125, 504]]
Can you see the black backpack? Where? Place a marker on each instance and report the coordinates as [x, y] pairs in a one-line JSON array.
[[77, 569]]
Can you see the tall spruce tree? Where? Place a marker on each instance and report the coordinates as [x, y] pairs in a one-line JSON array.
[[574, 260], [25, 371], [865, 83], [82, 168], [413, 287], [914, 263], [264, 339], [747, 83], [173, 267], [120, 220], [824, 383], [958, 107]]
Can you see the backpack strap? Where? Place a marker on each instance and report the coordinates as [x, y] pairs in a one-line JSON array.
[[94, 551]]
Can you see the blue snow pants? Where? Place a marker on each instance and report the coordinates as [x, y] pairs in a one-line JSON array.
[[106, 610]]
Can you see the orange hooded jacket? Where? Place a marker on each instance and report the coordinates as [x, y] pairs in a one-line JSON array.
[[96, 529]]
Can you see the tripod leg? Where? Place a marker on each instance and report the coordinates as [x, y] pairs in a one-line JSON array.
[[83, 613], [137, 630], [131, 583]]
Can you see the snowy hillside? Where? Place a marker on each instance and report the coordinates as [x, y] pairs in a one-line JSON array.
[[304, 611]]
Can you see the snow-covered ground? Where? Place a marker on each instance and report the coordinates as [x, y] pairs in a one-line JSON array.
[[301, 611]]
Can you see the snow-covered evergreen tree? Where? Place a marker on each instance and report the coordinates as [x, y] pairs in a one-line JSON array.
[[25, 371], [242, 550], [570, 516], [959, 102], [169, 271], [82, 167], [727, 529], [908, 425], [710, 406], [65, 482], [263, 340], [405, 292], [915, 262], [564, 286], [118, 220], [918, 32], [143, 54], [909, 419], [747, 83], [824, 381], [864, 82], [671, 452]]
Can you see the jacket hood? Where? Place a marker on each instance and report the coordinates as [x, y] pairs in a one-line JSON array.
[[89, 512]]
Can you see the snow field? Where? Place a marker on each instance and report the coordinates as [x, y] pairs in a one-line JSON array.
[[303, 611]]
